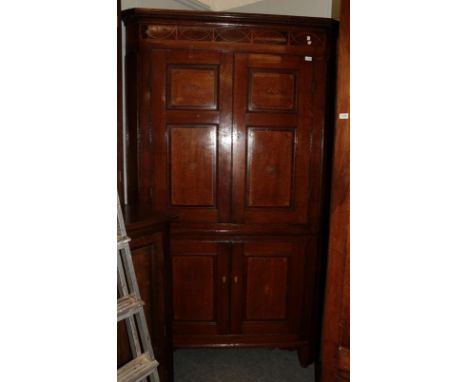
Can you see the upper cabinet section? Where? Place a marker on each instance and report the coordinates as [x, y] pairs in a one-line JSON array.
[[227, 116]]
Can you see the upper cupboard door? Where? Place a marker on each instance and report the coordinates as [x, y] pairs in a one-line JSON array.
[[191, 111], [272, 130]]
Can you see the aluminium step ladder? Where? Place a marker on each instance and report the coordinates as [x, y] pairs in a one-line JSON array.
[[130, 309]]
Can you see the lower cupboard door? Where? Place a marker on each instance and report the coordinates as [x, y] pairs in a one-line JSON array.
[[199, 288], [267, 284]]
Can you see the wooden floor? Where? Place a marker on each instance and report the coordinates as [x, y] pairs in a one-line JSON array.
[[239, 365]]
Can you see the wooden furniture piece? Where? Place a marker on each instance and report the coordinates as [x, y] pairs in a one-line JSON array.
[[335, 357], [149, 244], [228, 128]]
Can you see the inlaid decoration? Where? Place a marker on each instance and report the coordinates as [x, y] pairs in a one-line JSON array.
[[232, 34], [195, 33], [161, 32], [221, 34], [270, 37]]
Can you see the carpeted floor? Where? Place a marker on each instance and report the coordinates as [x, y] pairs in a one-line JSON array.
[[239, 365]]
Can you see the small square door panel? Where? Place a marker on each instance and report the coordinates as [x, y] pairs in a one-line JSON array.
[[272, 91], [192, 87]]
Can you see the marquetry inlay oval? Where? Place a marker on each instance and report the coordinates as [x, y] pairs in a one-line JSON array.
[[161, 32], [232, 35], [195, 33]]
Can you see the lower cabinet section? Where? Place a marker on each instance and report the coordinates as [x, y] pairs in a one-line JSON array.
[[150, 255], [242, 292]]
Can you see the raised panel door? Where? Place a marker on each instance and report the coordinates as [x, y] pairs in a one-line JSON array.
[[267, 287], [190, 107], [200, 288], [272, 130]]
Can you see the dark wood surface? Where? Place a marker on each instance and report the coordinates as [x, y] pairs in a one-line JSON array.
[[149, 244], [119, 104], [228, 131], [192, 156], [145, 15], [272, 166], [267, 286], [335, 359], [200, 271]]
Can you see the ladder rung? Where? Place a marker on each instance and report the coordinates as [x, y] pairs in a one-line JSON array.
[[121, 241], [128, 305], [137, 369]]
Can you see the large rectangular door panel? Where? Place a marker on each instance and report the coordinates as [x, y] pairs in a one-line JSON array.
[[193, 165], [193, 288], [199, 274], [191, 103], [267, 286], [270, 167], [272, 131]]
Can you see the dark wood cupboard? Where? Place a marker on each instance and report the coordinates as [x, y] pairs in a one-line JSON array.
[[229, 130]]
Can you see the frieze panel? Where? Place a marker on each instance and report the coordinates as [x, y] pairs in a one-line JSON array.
[[235, 35]]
